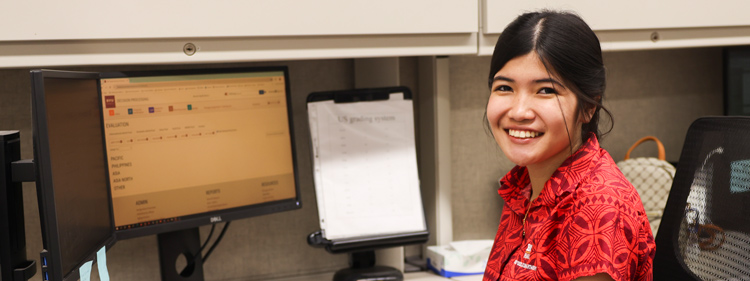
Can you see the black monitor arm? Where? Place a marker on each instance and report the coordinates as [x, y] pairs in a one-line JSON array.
[[13, 171]]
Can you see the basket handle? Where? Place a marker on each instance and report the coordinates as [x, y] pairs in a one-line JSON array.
[[659, 145]]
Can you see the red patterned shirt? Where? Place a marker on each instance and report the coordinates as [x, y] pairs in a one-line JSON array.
[[588, 219]]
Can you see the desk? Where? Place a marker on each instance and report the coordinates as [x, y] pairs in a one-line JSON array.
[[413, 276], [468, 278]]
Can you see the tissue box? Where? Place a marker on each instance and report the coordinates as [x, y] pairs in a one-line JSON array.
[[459, 258]]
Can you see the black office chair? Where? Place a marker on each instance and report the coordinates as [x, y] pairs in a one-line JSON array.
[[705, 230]]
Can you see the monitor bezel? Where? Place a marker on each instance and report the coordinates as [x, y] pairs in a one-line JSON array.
[[51, 256], [213, 217]]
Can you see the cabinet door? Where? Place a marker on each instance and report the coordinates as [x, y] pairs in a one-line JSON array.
[[635, 24], [47, 33], [94, 19], [627, 15]]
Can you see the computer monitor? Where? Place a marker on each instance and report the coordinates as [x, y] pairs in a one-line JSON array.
[[178, 149], [188, 148], [71, 175]]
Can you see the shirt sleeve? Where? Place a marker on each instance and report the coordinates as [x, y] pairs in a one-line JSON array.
[[605, 235]]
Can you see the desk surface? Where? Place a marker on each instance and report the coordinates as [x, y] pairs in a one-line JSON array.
[[413, 276]]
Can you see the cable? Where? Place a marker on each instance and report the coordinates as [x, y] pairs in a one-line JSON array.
[[218, 239], [185, 271], [210, 234]]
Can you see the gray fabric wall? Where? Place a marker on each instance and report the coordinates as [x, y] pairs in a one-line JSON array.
[[650, 93]]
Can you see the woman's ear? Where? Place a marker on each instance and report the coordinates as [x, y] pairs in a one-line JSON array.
[[588, 114]]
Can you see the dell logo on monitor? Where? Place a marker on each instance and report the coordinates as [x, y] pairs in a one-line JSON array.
[[215, 219]]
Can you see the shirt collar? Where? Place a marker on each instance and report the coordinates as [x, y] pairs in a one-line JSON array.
[[515, 188]]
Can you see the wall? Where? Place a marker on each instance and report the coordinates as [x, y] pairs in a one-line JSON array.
[[648, 92]]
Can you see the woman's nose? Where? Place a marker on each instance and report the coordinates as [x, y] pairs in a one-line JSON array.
[[521, 108]]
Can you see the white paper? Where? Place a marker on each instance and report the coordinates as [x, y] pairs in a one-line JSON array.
[[84, 272], [365, 167], [101, 264]]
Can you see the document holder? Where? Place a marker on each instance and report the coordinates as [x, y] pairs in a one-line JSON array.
[[364, 166]]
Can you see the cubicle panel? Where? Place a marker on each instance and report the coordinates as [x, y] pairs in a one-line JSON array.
[[89, 19], [625, 15]]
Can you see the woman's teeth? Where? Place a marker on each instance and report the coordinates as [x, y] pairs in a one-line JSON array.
[[523, 134]]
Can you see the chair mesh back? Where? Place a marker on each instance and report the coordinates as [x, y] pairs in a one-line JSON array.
[[705, 231]]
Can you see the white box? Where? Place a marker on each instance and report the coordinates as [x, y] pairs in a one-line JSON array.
[[459, 258]]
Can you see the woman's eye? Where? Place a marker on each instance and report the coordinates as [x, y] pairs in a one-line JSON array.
[[503, 88], [547, 91]]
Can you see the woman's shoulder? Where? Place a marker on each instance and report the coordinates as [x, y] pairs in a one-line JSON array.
[[605, 184]]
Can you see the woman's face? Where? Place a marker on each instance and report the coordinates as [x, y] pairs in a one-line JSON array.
[[525, 117]]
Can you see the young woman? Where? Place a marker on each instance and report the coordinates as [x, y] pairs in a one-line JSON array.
[[569, 213]]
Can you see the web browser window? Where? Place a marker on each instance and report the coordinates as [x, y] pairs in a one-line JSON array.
[[189, 144]]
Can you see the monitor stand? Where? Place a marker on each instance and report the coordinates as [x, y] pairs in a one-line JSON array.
[[362, 267], [174, 244]]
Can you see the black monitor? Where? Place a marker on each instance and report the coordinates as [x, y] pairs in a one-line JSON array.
[[737, 80], [71, 175], [165, 152]]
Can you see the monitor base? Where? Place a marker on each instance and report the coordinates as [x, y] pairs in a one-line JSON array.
[[174, 244], [362, 267], [376, 272]]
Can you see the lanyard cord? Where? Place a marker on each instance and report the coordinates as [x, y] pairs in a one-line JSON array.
[[523, 223], [524, 220], [507, 259]]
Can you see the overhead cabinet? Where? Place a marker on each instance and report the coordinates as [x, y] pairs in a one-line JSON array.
[[87, 32], [48, 32], [636, 24]]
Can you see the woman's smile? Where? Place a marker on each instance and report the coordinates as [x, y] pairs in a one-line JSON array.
[[523, 134]]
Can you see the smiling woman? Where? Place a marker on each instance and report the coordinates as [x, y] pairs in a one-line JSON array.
[[531, 115], [569, 213]]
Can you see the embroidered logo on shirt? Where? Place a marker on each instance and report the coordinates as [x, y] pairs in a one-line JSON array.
[[527, 254], [524, 265]]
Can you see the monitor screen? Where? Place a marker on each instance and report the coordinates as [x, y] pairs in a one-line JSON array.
[[71, 171], [186, 148]]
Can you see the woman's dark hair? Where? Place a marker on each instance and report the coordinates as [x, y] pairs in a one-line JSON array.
[[567, 47]]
